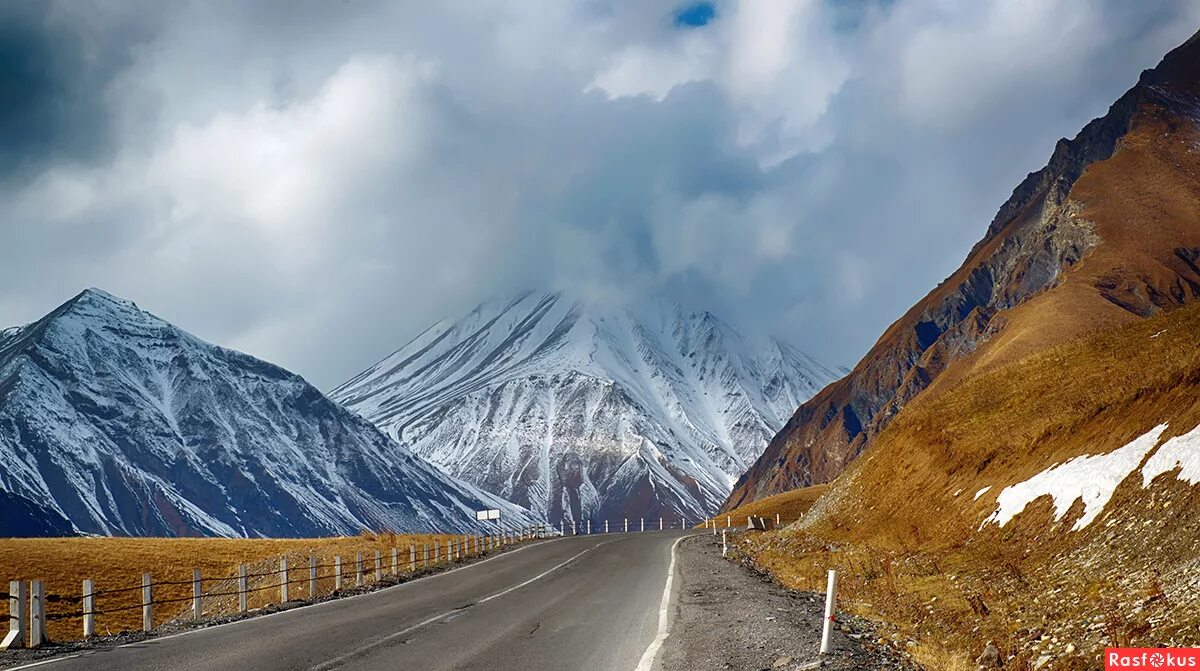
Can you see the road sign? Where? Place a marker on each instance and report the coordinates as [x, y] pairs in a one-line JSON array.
[[487, 514]]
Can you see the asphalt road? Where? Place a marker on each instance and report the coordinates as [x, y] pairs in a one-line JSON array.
[[585, 602]]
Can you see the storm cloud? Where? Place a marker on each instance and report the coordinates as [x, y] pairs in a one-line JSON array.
[[316, 182]]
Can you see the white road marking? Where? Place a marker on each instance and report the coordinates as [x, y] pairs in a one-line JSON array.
[[338, 661], [306, 608], [647, 662]]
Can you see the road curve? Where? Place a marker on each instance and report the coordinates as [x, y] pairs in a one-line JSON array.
[[585, 602]]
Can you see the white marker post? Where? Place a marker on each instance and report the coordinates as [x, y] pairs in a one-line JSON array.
[[243, 589], [337, 572], [312, 576], [395, 561], [378, 566], [412, 557], [643, 521], [283, 580], [37, 614], [589, 529], [776, 520], [147, 602], [660, 526], [626, 525], [605, 526], [724, 543], [728, 521], [89, 608], [197, 594], [830, 609], [16, 616]]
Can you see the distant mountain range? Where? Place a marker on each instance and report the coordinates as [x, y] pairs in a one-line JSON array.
[[580, 411], [113, 421]]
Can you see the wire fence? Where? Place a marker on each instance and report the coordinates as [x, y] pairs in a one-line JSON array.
[[293, 577]]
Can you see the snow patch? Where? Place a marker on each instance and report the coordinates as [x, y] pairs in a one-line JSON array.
[[980, 492], [1092, 478], [1179, 452]]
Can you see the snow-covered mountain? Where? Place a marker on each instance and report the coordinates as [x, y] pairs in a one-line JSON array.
[[113, 421], [584, 411]]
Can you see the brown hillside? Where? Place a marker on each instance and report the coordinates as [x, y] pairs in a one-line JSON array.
[[906, 523], [1107, 233]]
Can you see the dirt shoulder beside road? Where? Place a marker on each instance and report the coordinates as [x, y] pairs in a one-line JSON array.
[[728, 617]]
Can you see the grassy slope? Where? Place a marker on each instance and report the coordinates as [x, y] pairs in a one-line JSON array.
[[113, 563], [911, 550], [790, 506]]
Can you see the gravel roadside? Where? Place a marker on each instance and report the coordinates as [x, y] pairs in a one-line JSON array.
[[726, 617]]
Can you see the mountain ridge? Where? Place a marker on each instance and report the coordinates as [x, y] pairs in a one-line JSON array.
[[116, 422], [665, 403]]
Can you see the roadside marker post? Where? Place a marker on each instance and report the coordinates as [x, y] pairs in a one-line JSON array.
[[378, 566], [412, 557], [643, 520], [37, 614], [312, 576], [589, 529], [425, 553], [337, 572], [197, 595], [660, 525], [830, 610], [147, 602], [283, 580], [243, 589], [605, 526], [724, 543], [626, 525], [16, 616], [728, 521], [358, 568], [776, 520], [395, 561], [89, 608]]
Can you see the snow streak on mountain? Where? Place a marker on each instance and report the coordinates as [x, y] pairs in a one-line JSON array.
[[112, 421], [579, 411]]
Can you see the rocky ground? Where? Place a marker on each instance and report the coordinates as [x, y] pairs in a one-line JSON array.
[[729, 617]]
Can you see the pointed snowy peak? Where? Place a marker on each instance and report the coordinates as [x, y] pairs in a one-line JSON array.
[[113, 421], [584, 408]]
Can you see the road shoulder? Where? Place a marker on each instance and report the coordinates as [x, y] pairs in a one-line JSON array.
[[726, 617]]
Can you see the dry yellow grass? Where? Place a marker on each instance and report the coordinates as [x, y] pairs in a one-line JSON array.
[[118, 563], [790, 506], [904, 527]]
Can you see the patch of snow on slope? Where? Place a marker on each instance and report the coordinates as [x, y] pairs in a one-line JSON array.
[[1092, 478], [1178, 452]]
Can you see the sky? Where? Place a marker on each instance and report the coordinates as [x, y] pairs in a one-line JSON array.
[[316, 182]]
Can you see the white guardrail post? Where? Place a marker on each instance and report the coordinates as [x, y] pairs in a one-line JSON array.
[[197, 595], [283, 580], [243, 589], [89, 608], [830, 609], [37, 614], [15, 638], [147, 602]]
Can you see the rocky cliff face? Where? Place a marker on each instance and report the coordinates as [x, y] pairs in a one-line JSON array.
[[1036, 243], [114, 422], [588, 412]]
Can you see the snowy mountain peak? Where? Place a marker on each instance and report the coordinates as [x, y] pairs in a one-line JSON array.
[[581, 408], [113, 421]]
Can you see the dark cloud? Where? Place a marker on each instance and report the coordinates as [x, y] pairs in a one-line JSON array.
[[316, 182]]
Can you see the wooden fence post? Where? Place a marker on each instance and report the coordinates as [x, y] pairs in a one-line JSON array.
[[312, 577], [147, 602], [89, 608], [243, 589], [197, 594], [283, 580]]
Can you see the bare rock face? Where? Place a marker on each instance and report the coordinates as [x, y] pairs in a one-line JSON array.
[[582, 411], [1037, 241]]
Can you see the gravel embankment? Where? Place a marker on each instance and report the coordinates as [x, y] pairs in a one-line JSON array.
[[726, 617]]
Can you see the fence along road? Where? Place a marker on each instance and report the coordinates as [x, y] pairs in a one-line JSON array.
[[582, 602]]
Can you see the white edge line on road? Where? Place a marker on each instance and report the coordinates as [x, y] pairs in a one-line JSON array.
[[258, 618], [664, 610], [342, 659]]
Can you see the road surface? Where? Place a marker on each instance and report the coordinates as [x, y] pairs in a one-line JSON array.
[[585, 602]]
